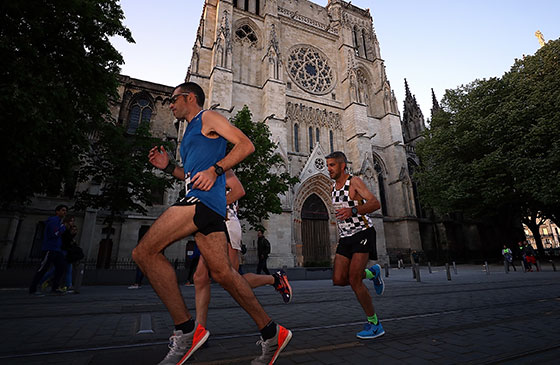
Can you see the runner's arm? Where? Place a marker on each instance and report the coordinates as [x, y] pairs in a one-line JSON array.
[[371, 204], [237, 191], [242, 147]]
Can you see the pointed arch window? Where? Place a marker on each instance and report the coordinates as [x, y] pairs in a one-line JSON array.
[[317, 135], [364, 43], [381, 182], [331, 141], [355, 40], [296, 137], [140, 112], [310, 139]]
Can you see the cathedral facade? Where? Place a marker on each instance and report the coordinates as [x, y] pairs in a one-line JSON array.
[[316, 77]]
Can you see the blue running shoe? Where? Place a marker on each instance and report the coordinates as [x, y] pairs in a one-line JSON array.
[[371, 331], [377, 279]]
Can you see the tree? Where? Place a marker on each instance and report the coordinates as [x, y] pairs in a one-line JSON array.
[[58, 75], [118, 164], [490, 152], [260, 173]]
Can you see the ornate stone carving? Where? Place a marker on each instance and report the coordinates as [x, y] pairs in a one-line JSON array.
[[309, 68], [223, 46], [303, 19], [315, 117]]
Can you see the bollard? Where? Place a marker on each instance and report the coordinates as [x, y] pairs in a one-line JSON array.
[[553, 266], [454, 268], [506, 267], [486, 268], [429, 267], [417, 271], [386, 270], [413, 271], [447, 271], [538, 265]]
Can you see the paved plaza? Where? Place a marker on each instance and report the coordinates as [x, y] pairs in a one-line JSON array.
[[475, 318]]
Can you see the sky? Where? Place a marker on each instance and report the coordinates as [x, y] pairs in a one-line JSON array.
[[439, 44]]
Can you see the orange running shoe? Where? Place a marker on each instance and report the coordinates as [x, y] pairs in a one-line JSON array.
[[272, 347], [283, 286]]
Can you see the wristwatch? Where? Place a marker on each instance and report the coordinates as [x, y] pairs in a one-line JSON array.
[[354, 211], [218, 169]]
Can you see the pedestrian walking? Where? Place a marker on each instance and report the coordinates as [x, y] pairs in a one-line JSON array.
[[263, 250], [352, 201], [508, 258], [52, 251], [400, 261], [201, 213]]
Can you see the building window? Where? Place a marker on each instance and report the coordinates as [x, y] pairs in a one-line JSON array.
[[364, 42], [355, 40], [257, 7], [140, 112], [331, 141], [235, 3], [296, 137], [310, 139], [246, 7], [317, 136], [381, 182], [309, 68]]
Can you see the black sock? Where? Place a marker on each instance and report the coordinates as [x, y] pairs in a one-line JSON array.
[[268, 331], [186, 327]]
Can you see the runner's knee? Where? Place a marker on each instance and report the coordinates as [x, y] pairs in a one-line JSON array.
[[339, 281]]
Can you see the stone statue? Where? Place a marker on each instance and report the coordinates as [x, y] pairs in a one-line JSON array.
[[540, 37]]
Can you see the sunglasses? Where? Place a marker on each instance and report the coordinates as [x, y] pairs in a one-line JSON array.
[[174, 98]]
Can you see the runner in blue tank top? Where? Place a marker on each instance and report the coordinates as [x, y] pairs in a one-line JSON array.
[[201, 213]]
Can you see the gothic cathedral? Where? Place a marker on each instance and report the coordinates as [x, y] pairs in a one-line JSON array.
[[316, 76]]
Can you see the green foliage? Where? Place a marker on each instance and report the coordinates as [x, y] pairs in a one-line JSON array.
[[118, 164], [260, 173], [58, 74], [492, 148]]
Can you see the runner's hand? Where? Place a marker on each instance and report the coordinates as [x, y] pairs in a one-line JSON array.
[[343, 213], [204, 180], [158, 157]]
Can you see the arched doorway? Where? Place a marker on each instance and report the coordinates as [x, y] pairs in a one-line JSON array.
[[315, 231]]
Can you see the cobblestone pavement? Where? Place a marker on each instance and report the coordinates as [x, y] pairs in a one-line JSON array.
[[473, 319]]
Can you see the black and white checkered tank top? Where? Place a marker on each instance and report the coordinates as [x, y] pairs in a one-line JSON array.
[[354, 224]]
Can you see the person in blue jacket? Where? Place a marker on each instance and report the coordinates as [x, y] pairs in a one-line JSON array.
[[52, 248]]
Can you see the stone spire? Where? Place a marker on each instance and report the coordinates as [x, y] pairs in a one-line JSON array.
[[413, 120], [435, 104]]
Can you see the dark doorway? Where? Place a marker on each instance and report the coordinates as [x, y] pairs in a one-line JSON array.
[[315, 232]]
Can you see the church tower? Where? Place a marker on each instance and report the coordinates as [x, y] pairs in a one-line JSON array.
[[316, 76]]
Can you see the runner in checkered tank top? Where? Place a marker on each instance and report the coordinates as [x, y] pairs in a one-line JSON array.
[[352, 201], [356, 223]]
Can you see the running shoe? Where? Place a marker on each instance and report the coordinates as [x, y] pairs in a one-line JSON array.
[[371, 331], [272, 347], [377, 279], [283, 286], [182, 346], [134, 286], [45, 285]]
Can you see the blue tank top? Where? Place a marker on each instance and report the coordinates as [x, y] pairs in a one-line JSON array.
[[199, 153]]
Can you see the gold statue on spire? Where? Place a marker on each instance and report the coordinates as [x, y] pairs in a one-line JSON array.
[[540, 37]]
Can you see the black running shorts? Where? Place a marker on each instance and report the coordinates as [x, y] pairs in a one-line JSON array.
[[205, 219], [361, 242]]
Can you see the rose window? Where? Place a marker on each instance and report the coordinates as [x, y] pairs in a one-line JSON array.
[[319, 163], [310, 70]]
